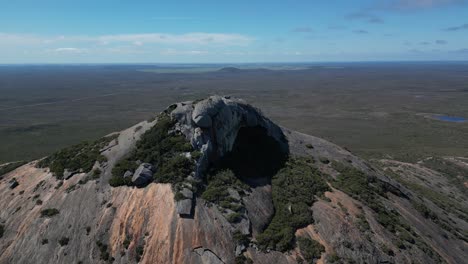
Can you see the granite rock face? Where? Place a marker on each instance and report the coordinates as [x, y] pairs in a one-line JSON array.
[[191, 230]]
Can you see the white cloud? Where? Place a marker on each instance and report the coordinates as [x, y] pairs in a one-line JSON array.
[[70, 50], [196, 38], [183, 52], [188, 38], [418, 4]]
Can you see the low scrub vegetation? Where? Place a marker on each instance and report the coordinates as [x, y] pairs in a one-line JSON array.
[[2, 230], [310, 249], [80, 157], [457, 175], [294, 190], [63, 241], [371, 192], [216, 190], [104, 254], [160, 147], [139, 252], [49, 212]]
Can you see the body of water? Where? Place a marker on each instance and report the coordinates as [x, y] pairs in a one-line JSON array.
[[450, 118]]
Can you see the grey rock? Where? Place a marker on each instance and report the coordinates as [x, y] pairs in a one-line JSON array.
[[244, 226], [68, 174], [187, 193], [128, 174], [207, 256], [234, 194], [239, 249], [259, 207], [13, 183], [143, 175], [214, 123], [184, 207], [205, 109]]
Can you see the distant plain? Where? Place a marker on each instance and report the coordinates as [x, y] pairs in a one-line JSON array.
[[373, 109]]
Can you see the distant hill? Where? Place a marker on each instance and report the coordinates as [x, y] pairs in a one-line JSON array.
[[229, 69]]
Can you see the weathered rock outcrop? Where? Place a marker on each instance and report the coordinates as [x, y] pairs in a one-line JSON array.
[[160, 224], [143, 175], [213, 123]]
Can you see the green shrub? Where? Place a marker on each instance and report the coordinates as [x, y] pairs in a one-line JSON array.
[[293, 189], [2, 230], [324, 160], [126, 242], [139, 252], [63, 241], [174, 170], [196, 154], [10, 167], [241, 259], [309, 146], [96, 174], [162, 148], [104, 254], [49, 212], [218, 183], [240, 238], [116, 181], [77, 157], [45, 241], [310, 249], [333, 258], [178, 196], [234, 217], [362, 223]]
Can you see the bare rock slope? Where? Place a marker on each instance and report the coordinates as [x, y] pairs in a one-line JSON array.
[[229, 186]]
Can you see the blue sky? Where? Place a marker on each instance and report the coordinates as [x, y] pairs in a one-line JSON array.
[[204, 31]]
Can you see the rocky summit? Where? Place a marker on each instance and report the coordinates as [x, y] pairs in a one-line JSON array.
[[216, 181]]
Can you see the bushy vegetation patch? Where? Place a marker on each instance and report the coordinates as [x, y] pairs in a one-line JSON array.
[[139, 252], [10, 167], [294, 190], [219, 182], [310, 249], [161, 147], [370, 191], [241, 259], [104, 254], [442, 201], [80, 157], [457, 175], [2, 230], [367, 190], [63, 241], [49, 212], [93, 175]]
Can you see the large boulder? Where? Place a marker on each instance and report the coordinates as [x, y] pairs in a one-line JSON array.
[[13, 183], [184, 207], [204, 110], [143, 175]]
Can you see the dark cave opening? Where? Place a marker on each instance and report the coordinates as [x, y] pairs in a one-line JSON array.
[[255, 156]]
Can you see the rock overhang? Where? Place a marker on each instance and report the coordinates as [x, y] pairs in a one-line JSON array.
[[212, 124]]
